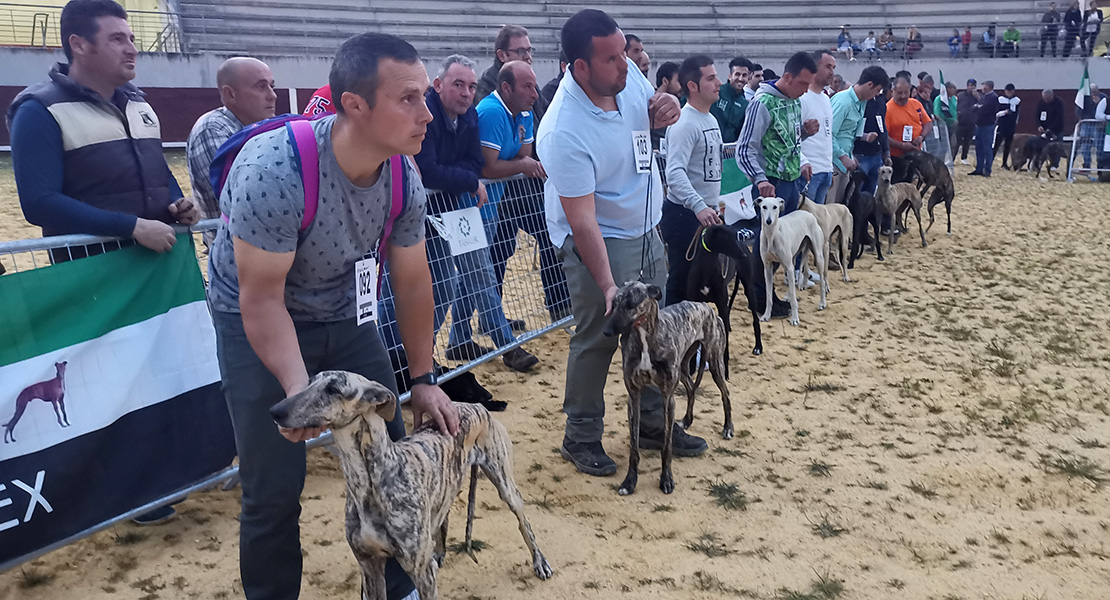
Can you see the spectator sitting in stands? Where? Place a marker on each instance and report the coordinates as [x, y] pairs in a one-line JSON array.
[[1073, 26], [1011, 41], [1050, 115], [548, 91], [634, 48], [246, 88], [954, 43], [870, 46], [914, 44], [80, 164], [989, 41], [732, 103], [754, 79], [965, 41], [887, 40], [844, 44], [1050, 28]]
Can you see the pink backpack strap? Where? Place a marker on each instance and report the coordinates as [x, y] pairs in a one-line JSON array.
[[397, 185], [308, 155]]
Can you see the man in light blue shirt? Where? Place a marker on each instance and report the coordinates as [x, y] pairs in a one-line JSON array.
[[847, 125], [603, 198]]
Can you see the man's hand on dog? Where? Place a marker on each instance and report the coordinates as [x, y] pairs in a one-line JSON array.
[[708, 217], [610, 293], [766, 189], [430, 401], [185, 211], [299, 434]]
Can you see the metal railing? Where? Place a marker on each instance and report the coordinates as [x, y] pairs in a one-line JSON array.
[[1089, 143], [533, 293], [37, 26]]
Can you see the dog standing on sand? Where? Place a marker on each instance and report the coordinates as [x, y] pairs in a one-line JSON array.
[[834, 219], [895, 199], [781, 240], [400, 493], [656, 348]]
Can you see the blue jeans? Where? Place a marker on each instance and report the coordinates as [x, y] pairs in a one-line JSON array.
[[869, 165], [477, 290], [444, 286], [819, 187], [984, 149]]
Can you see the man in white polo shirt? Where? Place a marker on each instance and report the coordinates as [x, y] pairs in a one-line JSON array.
[[603, 198], [818, 148]]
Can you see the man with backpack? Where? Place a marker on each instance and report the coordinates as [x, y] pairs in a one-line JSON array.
[[312, 208]]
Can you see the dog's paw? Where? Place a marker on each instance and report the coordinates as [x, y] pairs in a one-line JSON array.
[[628, 487], [541, 567], [686, 422], [727, 433], [924, 244], [795, 321], [439, 558], [822, 306], [666, 483]]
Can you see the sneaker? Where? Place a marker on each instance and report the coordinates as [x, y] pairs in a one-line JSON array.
[[518, 325], [975, 173], [814, 275], [682, 443], [155, 517], [589, 458], [519, 359], [963, 161], [466, 351]]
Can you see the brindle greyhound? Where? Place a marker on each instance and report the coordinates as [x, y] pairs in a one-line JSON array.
[[657, 345], [399, 493], [51, 390]]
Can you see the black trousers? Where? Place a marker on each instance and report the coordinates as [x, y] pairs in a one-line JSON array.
[[1005, 140], [1069, 42], [964, 132], [677, 227], [1046, 39]]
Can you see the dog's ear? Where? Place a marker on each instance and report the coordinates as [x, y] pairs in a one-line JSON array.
[[381, 398], [655, 292]]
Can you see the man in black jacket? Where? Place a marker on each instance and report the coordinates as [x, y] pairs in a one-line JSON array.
[[986, 115], [965, 120], [1050, 29], [1050, 115], [1073, 25]]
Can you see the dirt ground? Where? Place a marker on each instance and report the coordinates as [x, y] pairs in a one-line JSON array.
[[940, 431]]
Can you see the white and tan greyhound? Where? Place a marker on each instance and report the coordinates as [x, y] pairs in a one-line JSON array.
[[834, 219], [781, 239]]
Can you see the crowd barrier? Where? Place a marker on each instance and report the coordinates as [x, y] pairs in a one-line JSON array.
[[1098, 139], [509, 230]]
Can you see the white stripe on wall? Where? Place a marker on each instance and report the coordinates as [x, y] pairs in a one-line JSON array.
[[120, 372]]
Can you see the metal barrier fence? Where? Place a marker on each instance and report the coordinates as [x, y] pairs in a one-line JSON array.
[[532, 293], [1089, 141]]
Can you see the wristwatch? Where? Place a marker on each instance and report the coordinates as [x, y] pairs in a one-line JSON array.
[[428, 378]]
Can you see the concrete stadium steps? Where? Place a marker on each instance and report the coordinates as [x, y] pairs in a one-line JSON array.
[[438, 27]]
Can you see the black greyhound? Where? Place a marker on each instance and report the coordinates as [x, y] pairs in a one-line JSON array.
[[864, 210], [709, 275], [930, 172]]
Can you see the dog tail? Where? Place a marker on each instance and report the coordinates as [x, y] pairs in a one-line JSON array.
[[470, 513]]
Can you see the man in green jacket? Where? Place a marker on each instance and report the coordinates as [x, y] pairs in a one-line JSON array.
[[945, 114], [729, 108]]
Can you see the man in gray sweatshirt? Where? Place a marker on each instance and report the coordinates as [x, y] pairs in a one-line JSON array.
[[693, 172]]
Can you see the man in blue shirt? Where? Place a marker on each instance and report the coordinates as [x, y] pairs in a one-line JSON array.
[[86, 146], [506, 126], [848, 122], [603, 199]]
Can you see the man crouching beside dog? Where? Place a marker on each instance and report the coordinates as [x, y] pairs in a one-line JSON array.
[[284, 300], [600, 174]]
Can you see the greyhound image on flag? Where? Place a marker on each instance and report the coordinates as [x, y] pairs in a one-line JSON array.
[[121, 345]]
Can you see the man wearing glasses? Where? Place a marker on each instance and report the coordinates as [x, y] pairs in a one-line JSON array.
[[511, 44]]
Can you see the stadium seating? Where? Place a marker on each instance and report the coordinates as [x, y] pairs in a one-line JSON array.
[[438, 27]]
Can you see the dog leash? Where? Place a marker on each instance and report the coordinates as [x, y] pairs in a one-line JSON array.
[[646, 255], [692, 248]]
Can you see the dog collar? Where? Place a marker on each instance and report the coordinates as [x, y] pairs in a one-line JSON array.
[[640, 320], [703, 240]]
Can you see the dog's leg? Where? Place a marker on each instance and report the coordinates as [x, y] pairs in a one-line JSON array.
[[441, 544], [57, 413], [499, 469], [948, 211], [792, 295], [373, 576], [424, 579], [823, 271], [876, 223], [62, 403], [769, 280], [917, 213], [628, 486], [715, 367], [470, 499], [842, 258], [666, 478], [688, 382]]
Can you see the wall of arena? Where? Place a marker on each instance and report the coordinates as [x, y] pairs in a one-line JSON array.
[[181, 87]]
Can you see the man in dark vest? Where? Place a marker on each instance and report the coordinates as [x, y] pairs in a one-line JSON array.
[[87, 148]]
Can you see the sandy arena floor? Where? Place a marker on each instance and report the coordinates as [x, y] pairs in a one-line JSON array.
[[939, 432]]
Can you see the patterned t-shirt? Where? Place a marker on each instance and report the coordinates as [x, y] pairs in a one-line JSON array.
[[264, 201]]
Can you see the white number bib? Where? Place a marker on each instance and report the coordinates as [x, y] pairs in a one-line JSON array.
[[641, 147], [907, 133], [879, 122], [366, 289], [936, 133], [1044, 115], [462, 229]]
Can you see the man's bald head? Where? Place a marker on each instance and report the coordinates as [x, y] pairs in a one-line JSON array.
[[516, 84], [247, 88]]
